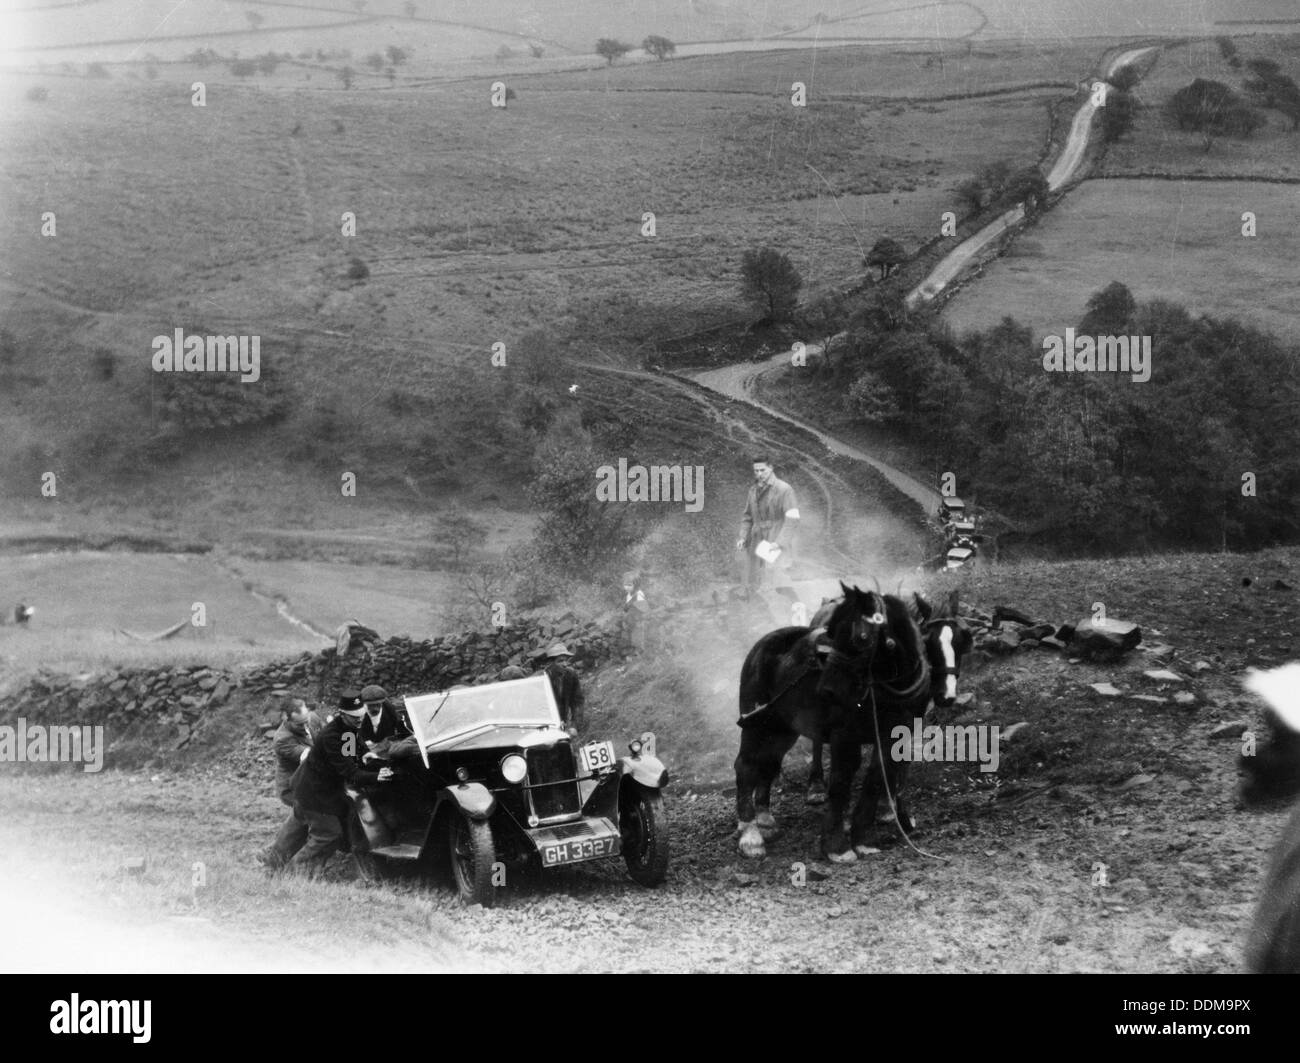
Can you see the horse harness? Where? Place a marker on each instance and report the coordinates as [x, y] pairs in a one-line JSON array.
[[826, 654]]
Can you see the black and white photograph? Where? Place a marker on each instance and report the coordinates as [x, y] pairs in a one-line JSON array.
[[651, 486]]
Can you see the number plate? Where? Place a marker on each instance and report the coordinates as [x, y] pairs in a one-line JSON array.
[[596, 756], [578, 849]]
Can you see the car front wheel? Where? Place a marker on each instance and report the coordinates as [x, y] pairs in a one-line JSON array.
[[644, 828], [473, 855]]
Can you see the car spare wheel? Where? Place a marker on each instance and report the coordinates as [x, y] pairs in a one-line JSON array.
[[644, 828], [472, 858]]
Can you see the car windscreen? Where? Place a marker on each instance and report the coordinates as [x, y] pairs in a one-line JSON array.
[[516, 703]]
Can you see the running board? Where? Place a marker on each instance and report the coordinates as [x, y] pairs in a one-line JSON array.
[[400, 851]]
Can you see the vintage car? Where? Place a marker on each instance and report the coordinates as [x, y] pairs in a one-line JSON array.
[[951, 509], [499, 789], [958, 557]]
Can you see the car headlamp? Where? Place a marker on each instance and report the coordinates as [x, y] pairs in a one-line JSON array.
[[514, 768]]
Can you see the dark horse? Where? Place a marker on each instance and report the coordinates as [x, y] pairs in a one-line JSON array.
[[947, 640], [827, 683]]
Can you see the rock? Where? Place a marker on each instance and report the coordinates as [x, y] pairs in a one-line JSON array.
[[1052, 643], [1153, 698], [1282, 585], [1104, 640], [1106, 690], [1008, 733], [1029, 644], [1202, 666], [1159, 649], [1231, 729], [965, 699], [134, 865], [1134, 781], [1163, 675], [1038, 631], [1000, 643], [1185, 697]]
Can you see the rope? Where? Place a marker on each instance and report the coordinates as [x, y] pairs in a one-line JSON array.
[[884, 778]]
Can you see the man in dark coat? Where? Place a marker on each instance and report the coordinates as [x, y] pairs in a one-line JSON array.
[[293, 740], [565, 685], [331, 769], [384, 718]]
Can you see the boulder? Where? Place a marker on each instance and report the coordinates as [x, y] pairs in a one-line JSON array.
[[1104, 640]]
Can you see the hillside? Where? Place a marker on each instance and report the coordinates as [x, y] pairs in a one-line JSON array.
[[1138, 786]]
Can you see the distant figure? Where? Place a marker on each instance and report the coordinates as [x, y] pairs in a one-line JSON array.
[[635, 610], [768, 526], [19, 614]]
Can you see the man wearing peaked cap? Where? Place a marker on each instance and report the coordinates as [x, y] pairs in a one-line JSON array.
[[331, 769]]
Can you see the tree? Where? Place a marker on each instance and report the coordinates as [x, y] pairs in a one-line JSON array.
[[397, 56], [769, 280], [610, 49], [1123, 80], [660, 47], [346, 75], [1211, 109], [409, 8], [887, 254], [1117, 116], [1027, 186], [255, 18], [1271, 88], [1109, 311]]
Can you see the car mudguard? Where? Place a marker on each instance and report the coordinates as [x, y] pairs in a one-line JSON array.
[[473, 798], [645, 769]]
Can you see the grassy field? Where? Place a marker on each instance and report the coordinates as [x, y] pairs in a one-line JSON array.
[[1165, 240], [476, 225], [1157, 145]]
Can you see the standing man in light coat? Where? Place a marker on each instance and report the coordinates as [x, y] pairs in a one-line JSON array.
[[771, 517]]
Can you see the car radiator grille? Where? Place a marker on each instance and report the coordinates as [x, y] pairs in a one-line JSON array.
[[551, 781], [572, 830]]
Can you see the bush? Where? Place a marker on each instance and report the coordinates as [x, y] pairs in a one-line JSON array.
[[357, 269], [188, 402], [38, 94], [243, 68], [97, 70]]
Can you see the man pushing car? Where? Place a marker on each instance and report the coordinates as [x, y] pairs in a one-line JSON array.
[[320, 794]]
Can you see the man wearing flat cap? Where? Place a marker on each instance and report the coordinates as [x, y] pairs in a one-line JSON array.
[[384, 718], [331, 769], [564, 683]]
